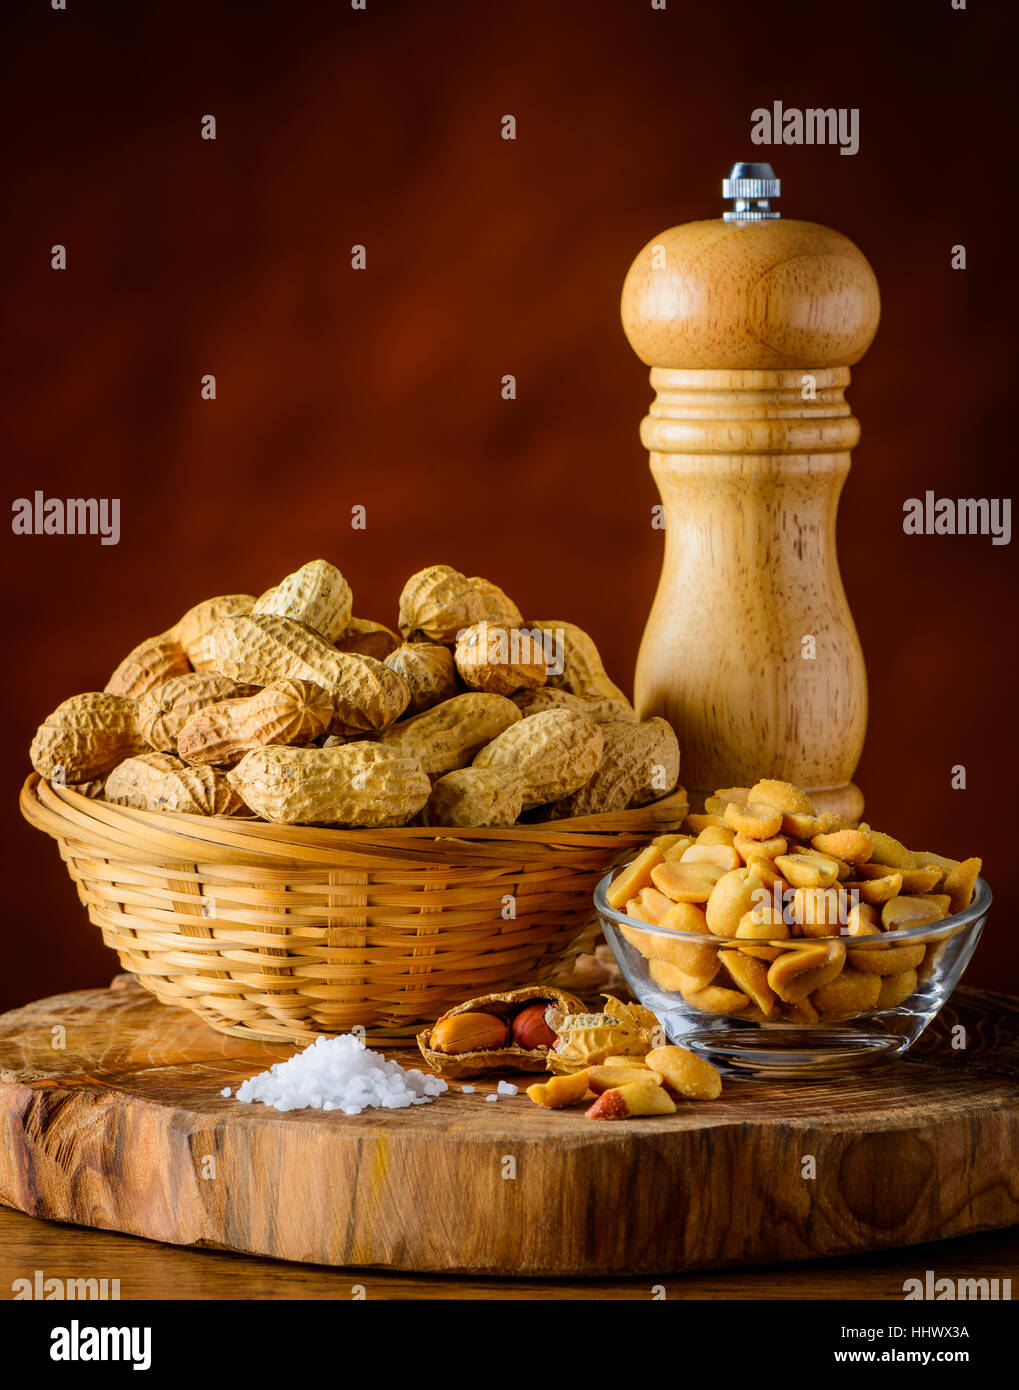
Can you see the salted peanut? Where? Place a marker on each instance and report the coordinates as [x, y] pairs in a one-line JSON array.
[[582, 672], [852, 992], [469, 1032], [886, 960], [637, 1098], [806, 872], [669, 977], [684, 1073], [802, 969], [698, 963], [764, 869], [762, 923], [716, 804], [716, 835], [633, 878], [649, 906], [961, 881], [887, 850], [473, 797], [604, 1078], [667, 842], [913, 880], [714, 1000], [768, 953], [941, 901], [750, 976], [757, 820], [818, 911], [686, 883], [803, 827], [745, 846], [560, 1091], [724, 856], [851, 846], [902, 912], [783, 796], [429, 672], [924, 859], [733, 896], [500, 610], [150, 664], [876, 890], [895, 989], [368, 638], [842, 869], [801, 1011], [862, 920], [696, 823]]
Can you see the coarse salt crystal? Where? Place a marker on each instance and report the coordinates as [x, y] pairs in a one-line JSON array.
[[339, 1074], [492, 1097], [506, 1088], [467, 1090], [226, 1091]]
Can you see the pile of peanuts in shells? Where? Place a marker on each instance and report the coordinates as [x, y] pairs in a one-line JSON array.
[[287, 708], [790, 906]]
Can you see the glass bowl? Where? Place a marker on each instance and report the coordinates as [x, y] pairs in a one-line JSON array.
[[838, 1026]]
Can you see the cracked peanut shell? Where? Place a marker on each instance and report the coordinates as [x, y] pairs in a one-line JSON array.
[[165, 709], [511, 1057]]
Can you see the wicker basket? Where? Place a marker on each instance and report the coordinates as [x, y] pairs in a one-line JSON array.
[[285, 932]]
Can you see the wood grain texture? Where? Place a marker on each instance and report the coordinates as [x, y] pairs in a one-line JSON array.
[[115, 1129], [148, 1270], [750, 330]]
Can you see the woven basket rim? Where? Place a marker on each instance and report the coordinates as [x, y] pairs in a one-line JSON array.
[[68, 815]]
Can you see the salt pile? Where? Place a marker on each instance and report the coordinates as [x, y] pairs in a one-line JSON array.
[[340, 1074]]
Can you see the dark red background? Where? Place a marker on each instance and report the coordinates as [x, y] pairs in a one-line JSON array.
[[382, 388]]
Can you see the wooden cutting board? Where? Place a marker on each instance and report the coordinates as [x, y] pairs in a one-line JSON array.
[[112, 1117]]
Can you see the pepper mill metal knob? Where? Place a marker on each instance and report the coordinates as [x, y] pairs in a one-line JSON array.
[[750, 324]]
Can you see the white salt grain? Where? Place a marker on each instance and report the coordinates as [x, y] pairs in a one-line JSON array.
[[506, 1088], [339, 1074], [492, 1097], [226, 1091], [467, 1090]]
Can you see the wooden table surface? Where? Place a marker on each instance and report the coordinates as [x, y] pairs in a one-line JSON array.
[[148, 1270]]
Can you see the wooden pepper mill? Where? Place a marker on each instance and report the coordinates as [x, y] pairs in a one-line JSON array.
[[750, 324]]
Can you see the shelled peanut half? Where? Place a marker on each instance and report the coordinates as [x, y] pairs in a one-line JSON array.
[[287, 707], [789, 909]]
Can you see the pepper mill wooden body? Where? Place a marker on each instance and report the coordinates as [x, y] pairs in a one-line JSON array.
[[750, 325]]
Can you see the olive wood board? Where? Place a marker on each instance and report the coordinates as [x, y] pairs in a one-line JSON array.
[[113, 1118]]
